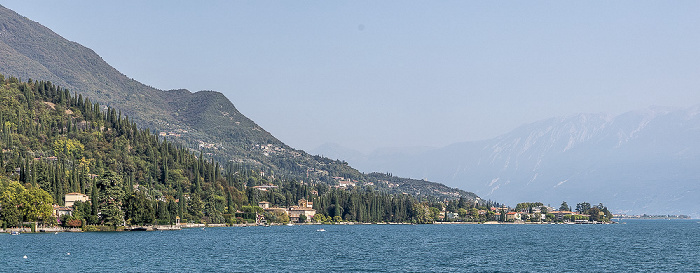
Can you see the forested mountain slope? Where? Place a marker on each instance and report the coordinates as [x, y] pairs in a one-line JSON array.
[[202, 121], [53, 142]]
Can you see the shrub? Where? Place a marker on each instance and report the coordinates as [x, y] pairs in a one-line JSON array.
[[74, 222]]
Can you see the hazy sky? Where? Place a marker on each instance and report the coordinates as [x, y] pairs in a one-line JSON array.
[[368, 74]]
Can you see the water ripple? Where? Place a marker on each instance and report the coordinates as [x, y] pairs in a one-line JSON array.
[[639, 246]]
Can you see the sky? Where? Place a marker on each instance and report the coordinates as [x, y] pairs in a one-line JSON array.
[[371, 74]]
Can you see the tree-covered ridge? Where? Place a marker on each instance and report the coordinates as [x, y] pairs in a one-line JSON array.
[[204, 120], [63, 143], [55, 142]]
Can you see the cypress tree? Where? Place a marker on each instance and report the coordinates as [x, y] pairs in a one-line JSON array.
[[165, 171], [34, 175], [93, 197], [229, 201], [181, 201]]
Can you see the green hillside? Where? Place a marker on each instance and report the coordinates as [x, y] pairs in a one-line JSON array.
[[54, 142], [204, 121]]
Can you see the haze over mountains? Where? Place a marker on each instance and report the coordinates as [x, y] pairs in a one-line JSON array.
[[644, 161], [205, 121]]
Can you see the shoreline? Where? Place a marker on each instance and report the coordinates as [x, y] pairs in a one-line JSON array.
[[203, 226]]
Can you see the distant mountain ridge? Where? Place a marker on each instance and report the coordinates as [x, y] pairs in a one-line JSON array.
[[30, 50], [644, 161], [205, 120]]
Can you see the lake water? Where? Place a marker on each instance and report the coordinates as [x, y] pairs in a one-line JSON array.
[[637, 246]]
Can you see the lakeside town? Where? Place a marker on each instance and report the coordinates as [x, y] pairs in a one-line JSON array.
[[303, 213]]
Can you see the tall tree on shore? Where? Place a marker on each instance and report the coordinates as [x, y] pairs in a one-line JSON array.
[[564, 207], [110, 199], [582, 208]]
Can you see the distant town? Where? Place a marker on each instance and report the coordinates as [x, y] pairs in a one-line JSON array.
[[651, 217]]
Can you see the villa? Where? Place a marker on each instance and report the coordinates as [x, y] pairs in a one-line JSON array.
[[304, 208], [512, 216], [59, 211], [71, 198]]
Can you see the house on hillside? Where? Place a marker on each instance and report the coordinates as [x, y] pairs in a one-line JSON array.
[[344, 182], [264, 187], [59, 211], [71, 198], [264, 204]]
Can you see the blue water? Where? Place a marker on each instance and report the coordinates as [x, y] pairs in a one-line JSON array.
[[638, 246]]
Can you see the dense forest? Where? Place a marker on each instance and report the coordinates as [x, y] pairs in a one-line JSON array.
[[56, 142]]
